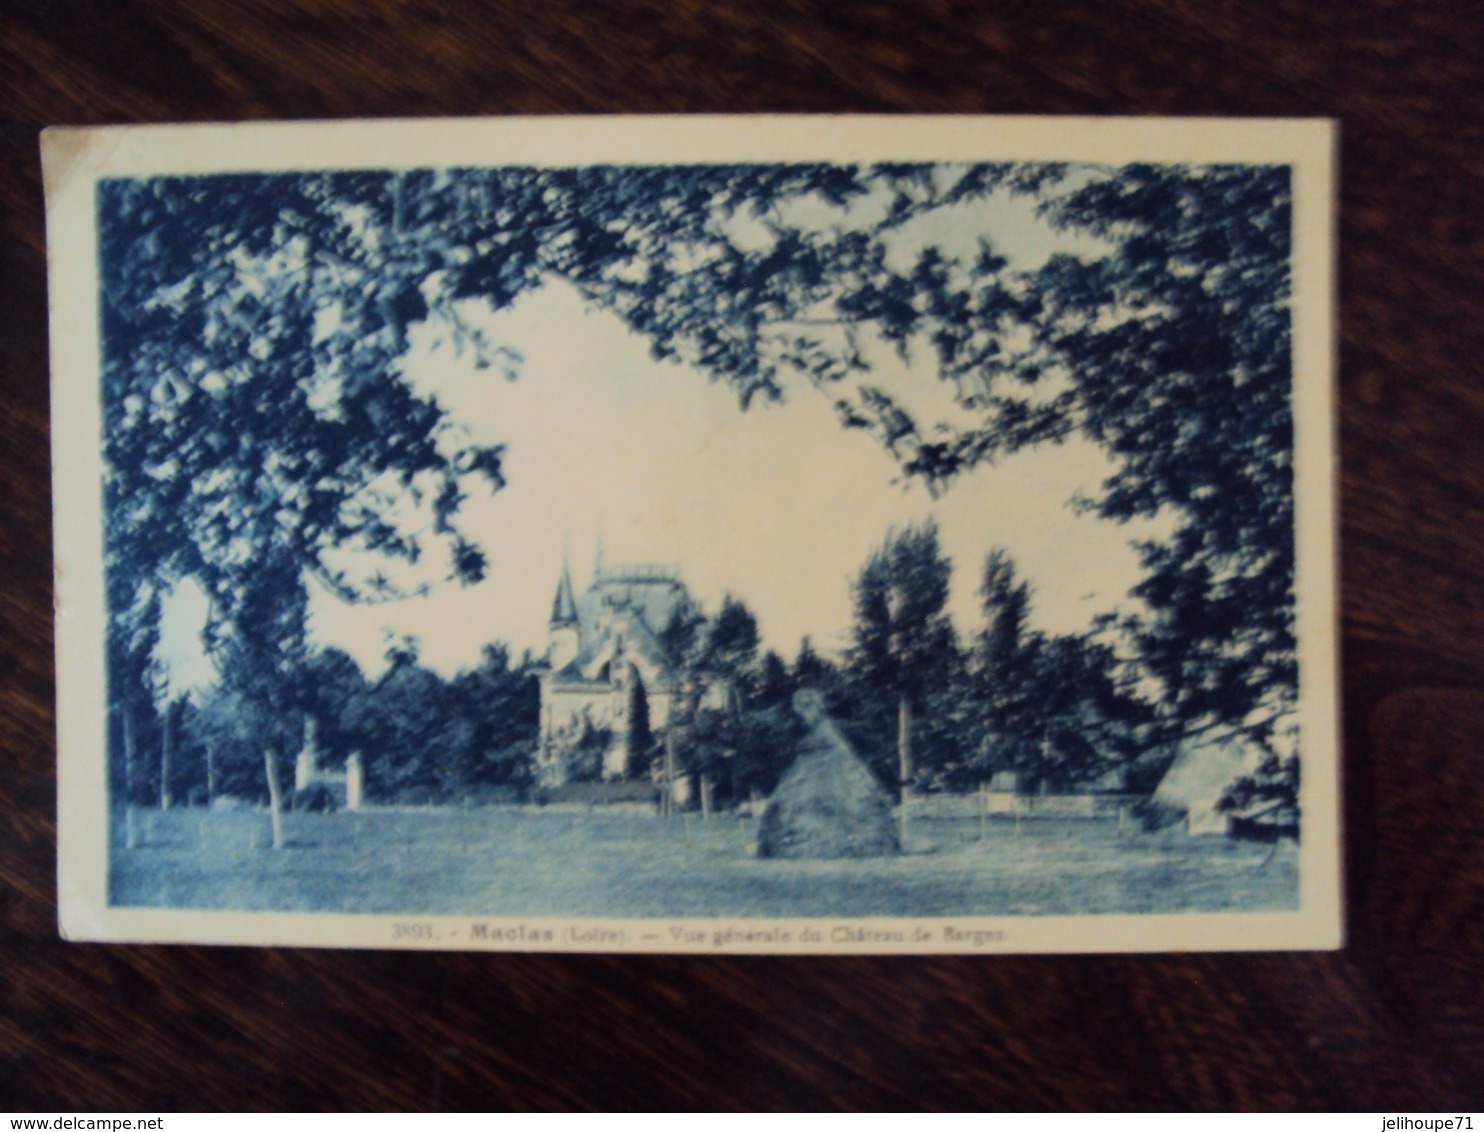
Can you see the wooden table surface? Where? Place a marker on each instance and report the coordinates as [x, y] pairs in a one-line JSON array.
[[1395, 1021]]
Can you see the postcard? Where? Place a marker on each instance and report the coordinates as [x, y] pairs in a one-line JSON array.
[[771, 534]]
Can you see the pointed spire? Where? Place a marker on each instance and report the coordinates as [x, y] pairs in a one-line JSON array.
[[564, 607], [598, 557]]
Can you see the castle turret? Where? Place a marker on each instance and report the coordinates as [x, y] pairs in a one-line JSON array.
[[563, 629]]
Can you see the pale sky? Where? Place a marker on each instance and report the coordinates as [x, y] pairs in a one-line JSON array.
[[779, 505]]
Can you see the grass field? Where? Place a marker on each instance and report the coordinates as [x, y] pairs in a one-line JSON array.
[[525, 862]]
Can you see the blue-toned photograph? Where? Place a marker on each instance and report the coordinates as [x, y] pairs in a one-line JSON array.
[[701, 541]]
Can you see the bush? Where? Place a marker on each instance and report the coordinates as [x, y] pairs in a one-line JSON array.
[[316, 798]]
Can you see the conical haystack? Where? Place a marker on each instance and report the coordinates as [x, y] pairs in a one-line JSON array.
[[1194, 784], [829, 804]]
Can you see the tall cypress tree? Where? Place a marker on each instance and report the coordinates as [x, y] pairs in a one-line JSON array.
[[902, 639]]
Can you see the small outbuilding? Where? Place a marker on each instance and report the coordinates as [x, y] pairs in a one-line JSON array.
[[829, 805]]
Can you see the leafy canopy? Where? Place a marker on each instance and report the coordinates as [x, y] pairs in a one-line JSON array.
[[260, 428]]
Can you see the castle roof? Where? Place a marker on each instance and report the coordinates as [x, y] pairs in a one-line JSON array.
[[630, 637], [624, 609], [649, 593]]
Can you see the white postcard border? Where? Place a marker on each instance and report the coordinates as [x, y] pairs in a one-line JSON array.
[[76, 159]]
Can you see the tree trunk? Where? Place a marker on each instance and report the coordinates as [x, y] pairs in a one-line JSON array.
[[210, 773], [167, 756], [904, 755], [128, 777], [734, 699], [275, 796], [668, 798]]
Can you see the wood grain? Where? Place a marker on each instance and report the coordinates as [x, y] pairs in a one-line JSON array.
[[1395, 1021]]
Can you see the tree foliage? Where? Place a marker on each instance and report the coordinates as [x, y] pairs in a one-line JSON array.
[[575, 751], [426, 738], [904, 651], [1059, 711], [262, 434], [1271, 791], [225, 734], [901, 634], [422, 737], [718, 732]]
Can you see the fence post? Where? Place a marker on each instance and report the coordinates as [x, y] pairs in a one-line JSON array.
[[355, 781]]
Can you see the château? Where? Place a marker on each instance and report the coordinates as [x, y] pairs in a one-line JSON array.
[[604, 662]]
